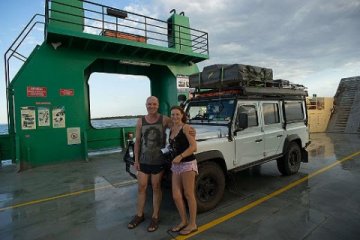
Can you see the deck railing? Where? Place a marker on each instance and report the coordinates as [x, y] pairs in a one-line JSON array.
[[103, 20]]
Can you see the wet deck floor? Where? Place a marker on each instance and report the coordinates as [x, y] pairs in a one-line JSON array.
[[96, 199]]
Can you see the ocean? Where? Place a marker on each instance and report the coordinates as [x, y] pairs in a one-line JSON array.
[[3, 128], [98, 123], [111, 123]]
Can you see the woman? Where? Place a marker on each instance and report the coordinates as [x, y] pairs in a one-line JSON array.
[[184, 169]]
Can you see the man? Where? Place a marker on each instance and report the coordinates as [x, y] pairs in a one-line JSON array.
[[150, 138]]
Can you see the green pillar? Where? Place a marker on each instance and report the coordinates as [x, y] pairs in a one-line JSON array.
[[163, 86], [179, 32]]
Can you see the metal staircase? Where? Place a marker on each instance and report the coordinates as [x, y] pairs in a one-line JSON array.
[[345, 118]]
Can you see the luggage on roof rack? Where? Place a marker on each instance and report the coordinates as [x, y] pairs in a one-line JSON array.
[[247, 73], [281, 83], [210, 77], [228, 75]]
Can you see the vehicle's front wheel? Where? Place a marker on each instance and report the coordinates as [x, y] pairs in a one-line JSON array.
[[209, 186], [290, 163]]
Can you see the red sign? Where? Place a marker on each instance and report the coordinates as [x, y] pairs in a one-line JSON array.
[[66, 92], [36, 91]]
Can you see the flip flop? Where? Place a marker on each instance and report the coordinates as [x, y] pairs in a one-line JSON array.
[[187, 231], [177, 228]]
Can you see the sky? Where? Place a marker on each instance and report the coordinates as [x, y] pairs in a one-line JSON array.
[[315, 43]]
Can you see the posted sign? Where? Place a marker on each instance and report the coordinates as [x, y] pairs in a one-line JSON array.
[[36, 91], [66, 92]]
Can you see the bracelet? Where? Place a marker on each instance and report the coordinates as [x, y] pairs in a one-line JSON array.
[[181, 156]]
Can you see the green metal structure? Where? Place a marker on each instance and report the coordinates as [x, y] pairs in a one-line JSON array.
[[48, 99]]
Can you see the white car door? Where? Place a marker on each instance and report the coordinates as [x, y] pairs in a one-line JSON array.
[[274, 133], [249, 142]]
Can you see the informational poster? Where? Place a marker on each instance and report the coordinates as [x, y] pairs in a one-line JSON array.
[[28, 118], [58, 117], [43, 117], [73, 136], [182, 82]]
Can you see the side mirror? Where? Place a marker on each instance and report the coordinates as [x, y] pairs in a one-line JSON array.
[[241, 121]]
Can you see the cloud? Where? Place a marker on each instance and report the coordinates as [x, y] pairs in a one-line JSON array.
[[298, 39]]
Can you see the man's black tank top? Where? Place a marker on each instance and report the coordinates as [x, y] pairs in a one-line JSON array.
[[152, 140]]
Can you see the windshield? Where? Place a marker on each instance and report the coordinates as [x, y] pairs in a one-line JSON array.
[[210, 111]]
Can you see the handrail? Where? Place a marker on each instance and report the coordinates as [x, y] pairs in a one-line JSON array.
[[19, 40], [12, 52], [155, 31]]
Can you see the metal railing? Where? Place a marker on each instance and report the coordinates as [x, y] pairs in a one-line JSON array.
[[13, 49], [13, 52], [98, 19]]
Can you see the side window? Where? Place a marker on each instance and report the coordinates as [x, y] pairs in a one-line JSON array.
[[271, 113], [294, 111], [250, 110]]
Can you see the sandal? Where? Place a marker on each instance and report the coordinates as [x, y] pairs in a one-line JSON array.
[[154, 225], [178, 228], [187, 231], [136, 221]]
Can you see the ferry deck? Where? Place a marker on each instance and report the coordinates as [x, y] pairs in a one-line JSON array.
[[96, 200]]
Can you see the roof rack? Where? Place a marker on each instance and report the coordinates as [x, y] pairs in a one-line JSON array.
[[250, 92], [245, 80], [273, 91]]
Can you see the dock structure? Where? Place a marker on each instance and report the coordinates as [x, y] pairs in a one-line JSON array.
[[346, 111], [319, 111], [48, 98]]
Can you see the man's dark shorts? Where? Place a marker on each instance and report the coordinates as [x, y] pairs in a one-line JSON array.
[[151, 169]]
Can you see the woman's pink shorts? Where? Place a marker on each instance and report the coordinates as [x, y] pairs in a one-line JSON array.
[[184, 167]]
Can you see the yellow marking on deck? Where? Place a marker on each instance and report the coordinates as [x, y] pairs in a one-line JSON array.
[[264, 199], [124, 183]]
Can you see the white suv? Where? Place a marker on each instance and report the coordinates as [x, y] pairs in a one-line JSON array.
[[237, 131]]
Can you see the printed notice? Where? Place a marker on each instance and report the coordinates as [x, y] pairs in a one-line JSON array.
[[58, 117], [43, 117], [36, 91], [28, 118], [182, 82], [66, 92], [73, 136]]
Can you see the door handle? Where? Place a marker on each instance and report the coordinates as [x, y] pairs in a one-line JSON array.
[[258, 140], [279, 136]]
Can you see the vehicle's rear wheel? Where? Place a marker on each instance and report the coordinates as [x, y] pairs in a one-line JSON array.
[[209, 186], [290, 163]]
